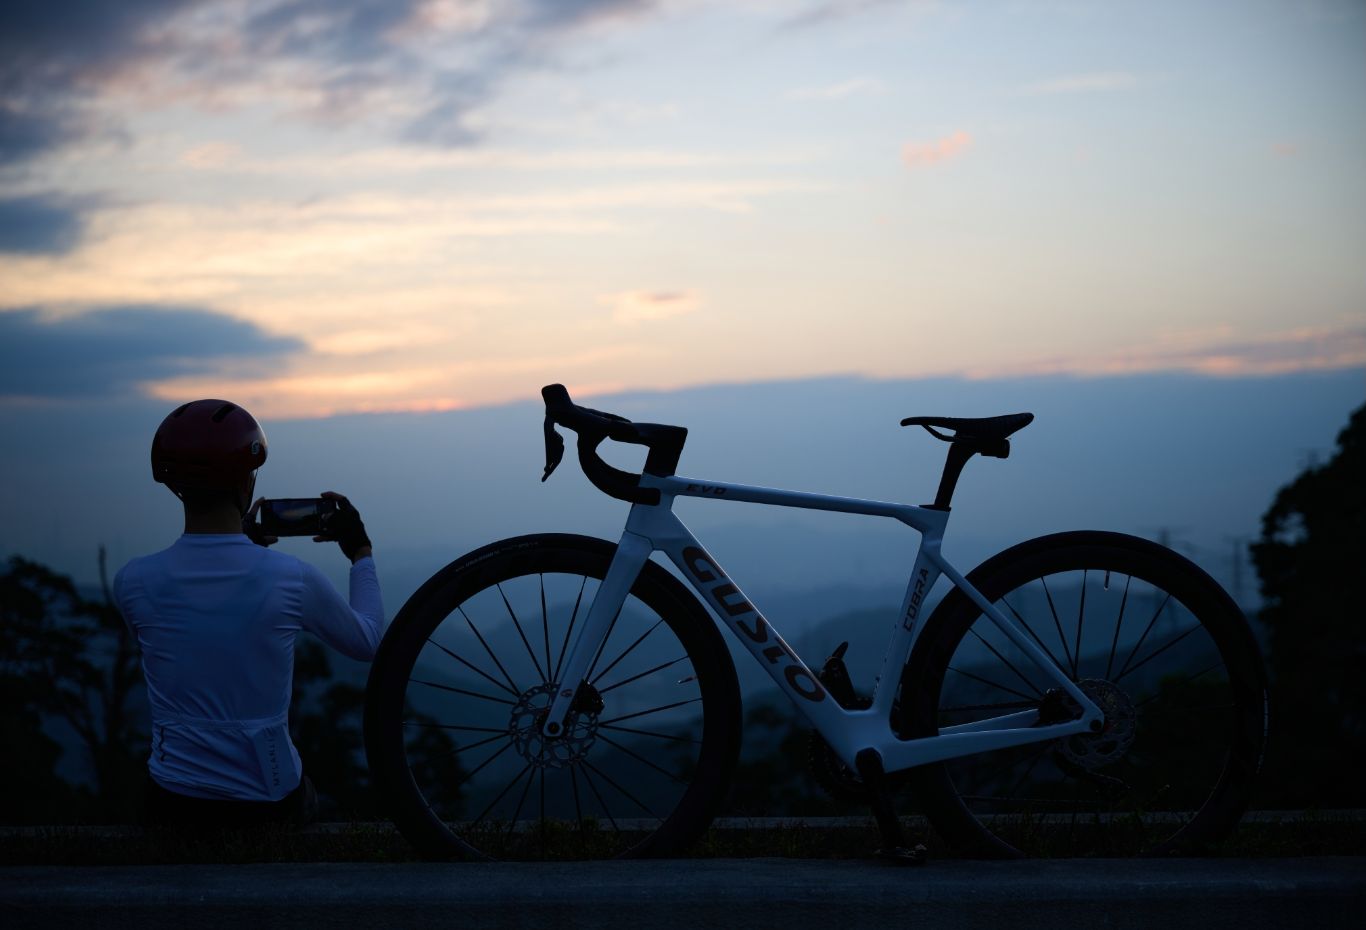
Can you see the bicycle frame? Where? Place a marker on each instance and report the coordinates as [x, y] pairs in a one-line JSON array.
[[651, 527]]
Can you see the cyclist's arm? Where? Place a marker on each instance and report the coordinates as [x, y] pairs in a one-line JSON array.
[[123, 595], [352, 629]]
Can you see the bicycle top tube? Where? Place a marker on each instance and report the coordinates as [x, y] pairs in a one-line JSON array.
[[930, 521], [972, 436]]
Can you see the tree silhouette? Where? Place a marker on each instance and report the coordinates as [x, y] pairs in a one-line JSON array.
[[1311, 559], [68, 658], [327, 729]]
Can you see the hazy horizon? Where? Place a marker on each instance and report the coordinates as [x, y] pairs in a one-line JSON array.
[[1194, 459]]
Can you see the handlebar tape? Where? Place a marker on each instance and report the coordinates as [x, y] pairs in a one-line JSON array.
[[593, 426]]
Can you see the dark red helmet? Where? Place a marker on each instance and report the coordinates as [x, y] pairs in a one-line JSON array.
[[208, 445]]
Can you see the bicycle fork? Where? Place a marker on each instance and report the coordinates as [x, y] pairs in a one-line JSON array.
[[632, 553]]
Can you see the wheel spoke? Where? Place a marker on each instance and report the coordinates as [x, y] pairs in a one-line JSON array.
[[564, 647], [652, 710], [512, 824], [1046, 651], [1019, 674], [611, 628], [520, 632], [578, 808], [1188, 678], [1005, 705], [639, 758], [628, 651], [996, 685], [1146, 630], [669, 736], [515, 779], [1119, 622], [1062, 637], [1024, 777], [480, 767], [486, 697], [1081, 618], [607, 811], [465, 748], [541, 822], [482, 642], [545, 623], [657, 668], [1158, 652], [607, 778], [474, 668], [461, 726]]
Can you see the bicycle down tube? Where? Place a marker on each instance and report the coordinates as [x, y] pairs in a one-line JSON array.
[[651, 527]]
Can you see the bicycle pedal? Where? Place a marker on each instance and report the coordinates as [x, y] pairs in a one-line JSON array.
[[901, 855]]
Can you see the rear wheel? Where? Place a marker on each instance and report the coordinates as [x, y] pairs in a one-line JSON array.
[[1152, 640], [466, 673]]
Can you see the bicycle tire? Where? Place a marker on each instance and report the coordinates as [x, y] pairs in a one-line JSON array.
[[1183, 741], [646, 757]]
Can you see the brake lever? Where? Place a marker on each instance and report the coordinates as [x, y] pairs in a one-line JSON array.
[[554, 448]]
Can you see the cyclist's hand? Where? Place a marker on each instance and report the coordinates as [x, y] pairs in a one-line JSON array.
[[253, 529], [345, 529]]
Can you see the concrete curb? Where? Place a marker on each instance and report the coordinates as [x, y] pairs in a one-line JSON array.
[[1322, 893]]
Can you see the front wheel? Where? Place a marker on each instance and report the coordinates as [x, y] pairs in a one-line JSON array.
[[1153, 641], [467, 671]]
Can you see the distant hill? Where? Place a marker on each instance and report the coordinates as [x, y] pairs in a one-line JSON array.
[[1196, 459]]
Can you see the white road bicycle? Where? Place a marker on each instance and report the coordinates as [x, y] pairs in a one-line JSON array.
[[561, 695]]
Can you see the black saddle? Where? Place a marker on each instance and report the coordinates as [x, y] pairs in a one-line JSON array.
[[984, 435], [973, 427]]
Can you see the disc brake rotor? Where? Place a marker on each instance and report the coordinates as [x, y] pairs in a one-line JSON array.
[[541, 751], [1091, 751]]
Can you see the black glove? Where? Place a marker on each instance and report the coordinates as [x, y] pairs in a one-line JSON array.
[[252, 529], [345, 529]]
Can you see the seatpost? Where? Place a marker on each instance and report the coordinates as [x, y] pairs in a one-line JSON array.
[[959, 453]]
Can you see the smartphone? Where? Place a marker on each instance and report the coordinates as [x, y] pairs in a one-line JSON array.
[[296, 516]]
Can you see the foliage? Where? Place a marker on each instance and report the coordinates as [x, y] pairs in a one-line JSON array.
[[326, 729], [66, 658], [1311, 559]]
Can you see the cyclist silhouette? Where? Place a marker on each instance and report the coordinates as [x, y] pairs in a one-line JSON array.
[[216, 615]]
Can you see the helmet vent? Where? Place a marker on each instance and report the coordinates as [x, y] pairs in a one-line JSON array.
[[181, 409], [222, 412]]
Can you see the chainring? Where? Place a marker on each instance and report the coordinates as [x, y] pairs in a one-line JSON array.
[[835, 778]]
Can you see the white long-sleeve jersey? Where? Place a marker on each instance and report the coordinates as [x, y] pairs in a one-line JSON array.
[[216, 617]]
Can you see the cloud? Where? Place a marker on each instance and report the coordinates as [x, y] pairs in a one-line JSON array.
[[41, 224], [53, 58], [850, 88], [915, 154], [828, 11], [337, 61], [114, 351], [1318, 349], [1081, 83], [633, 307]]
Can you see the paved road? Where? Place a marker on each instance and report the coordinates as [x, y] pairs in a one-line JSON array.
[[1321, 893]]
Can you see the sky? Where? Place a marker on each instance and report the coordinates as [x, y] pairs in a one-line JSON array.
[[324, 207]]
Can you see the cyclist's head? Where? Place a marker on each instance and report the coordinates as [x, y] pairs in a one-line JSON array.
[[208, 450]]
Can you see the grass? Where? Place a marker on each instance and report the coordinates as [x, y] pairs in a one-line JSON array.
[[1265, 835]]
